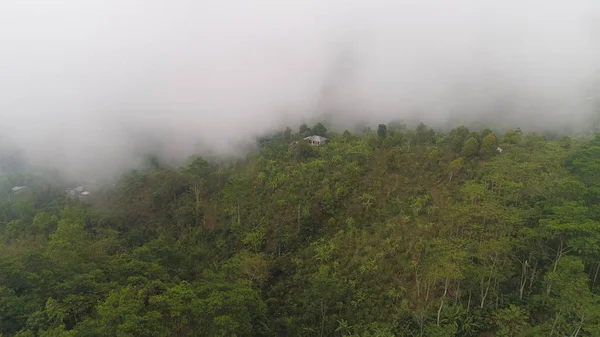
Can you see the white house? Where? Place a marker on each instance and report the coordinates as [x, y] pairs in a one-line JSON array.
[[316, 140]]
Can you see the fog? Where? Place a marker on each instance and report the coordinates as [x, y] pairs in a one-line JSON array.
[[87, 85]]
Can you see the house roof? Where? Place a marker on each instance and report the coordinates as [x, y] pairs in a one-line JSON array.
[[316, 138]]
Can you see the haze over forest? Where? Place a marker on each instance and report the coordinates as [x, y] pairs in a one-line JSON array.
[[299, 168], [86, 85]]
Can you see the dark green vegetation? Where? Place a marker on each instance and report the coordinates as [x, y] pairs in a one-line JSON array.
[[393, 232]]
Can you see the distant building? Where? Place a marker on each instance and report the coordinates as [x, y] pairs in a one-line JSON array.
[[77, 192], [316, 140]]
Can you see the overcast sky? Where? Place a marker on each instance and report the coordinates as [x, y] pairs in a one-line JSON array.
[[84, 84]]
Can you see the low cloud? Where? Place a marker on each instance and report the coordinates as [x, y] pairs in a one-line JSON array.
[[84, 86]]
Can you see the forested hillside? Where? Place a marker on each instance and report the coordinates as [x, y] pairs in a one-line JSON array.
[[390, 232]]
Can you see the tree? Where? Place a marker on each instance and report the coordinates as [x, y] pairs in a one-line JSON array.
[[569, 229], [470, 148], [489, 145], [319, 130], [319, 299], [512, 137], [382, 131], [475, 135], [304, 151], [304, 130], [14, 310], [346, 136], [200, 167], [68, 244], [575, 306], [287, 134], [458, 137], [393, 139], [455, 166], [424, 134], [485, 132], [511, 321], [361, 237]]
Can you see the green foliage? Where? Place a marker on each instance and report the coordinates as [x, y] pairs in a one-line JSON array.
[[485, 132], [386, 233], [424, 135], [304, 130], [511, 321], [319, 130], [304, 151], [512, 137], [489, 145], [455, 166], [470, 148], [382, 131], [458, 137]]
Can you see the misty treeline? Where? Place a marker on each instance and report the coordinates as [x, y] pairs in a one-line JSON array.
[[393, 231]]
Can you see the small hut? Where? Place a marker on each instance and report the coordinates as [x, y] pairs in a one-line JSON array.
[[316, 140]]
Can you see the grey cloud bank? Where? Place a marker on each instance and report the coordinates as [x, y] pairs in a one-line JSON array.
[[84, 85]]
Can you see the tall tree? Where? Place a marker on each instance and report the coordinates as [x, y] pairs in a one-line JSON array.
[[489, 145], [458, 137], [319, 130], [382, 131], [470, 148]]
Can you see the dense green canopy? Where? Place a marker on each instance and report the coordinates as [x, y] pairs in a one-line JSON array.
[[393, 232]]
